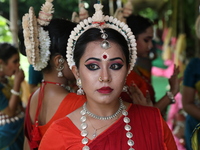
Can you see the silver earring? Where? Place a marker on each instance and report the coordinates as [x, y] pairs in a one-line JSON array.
[[125, 88], [1, 67], [79, 84], [60, 67]]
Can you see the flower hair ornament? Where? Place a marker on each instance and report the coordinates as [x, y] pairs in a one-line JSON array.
[[36, 39], [98, 20]]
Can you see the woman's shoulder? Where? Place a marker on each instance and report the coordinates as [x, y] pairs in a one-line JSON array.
[[141, 110], [194, 61]]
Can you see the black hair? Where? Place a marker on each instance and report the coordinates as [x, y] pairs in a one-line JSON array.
[[138, 24], [59, 31], [94, 34], [7, 50]]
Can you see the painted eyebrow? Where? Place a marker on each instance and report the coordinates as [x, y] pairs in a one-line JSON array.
[[116, 58], [97, 59], [93, 58]]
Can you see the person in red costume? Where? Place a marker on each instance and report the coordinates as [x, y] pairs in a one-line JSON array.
[[142, 28], [54, 99], [101, 52]]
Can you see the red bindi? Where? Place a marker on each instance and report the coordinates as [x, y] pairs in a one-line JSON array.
[[104, 56]]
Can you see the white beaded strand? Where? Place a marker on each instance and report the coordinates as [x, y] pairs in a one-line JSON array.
[[127, 127]]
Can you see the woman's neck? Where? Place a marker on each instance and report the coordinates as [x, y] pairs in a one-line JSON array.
[[103, 109]]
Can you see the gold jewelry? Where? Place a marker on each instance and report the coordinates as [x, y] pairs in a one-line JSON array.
[[100, 79]]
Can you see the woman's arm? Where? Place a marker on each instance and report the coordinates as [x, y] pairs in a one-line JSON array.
[[15, 97], [188, 102], [174, 82], [26, 145]]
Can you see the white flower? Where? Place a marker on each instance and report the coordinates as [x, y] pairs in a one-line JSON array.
[[109, 22]]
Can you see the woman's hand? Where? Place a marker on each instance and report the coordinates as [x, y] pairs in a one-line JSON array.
[[19, 76], [174, 81], [138, 97]]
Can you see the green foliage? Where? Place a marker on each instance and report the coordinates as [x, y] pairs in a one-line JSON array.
[[149, 13], [5, 34], [63, 9]]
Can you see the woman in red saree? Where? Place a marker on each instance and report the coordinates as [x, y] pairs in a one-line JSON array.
[[54, 99], [142, 28], [101, 52]]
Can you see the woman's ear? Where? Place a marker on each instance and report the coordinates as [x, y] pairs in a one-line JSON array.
[[75, 72], [56, 60]]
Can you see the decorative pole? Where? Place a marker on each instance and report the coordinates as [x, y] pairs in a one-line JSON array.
[[111, 7], [119, 3], [13, 21]]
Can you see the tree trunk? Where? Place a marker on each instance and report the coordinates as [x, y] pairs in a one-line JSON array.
[[111, 7], [13, 21]]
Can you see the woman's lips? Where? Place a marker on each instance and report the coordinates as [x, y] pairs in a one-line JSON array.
[[105, 90]]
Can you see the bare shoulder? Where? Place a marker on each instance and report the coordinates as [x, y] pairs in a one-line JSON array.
[[33, 104]]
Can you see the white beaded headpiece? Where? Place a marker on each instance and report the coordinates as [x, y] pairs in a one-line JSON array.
[[98, 20], [36, 39]]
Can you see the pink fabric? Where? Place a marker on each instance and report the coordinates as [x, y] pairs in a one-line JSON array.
[[173, 111], [163, 72]]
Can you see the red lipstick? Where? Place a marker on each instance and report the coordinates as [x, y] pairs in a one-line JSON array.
[[105, 90]]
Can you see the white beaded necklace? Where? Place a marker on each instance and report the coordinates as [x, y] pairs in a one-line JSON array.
[[104, 118], [84, 125]]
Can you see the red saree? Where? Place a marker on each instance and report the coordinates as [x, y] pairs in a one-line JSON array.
[[150, 132], [70, 103], [142, 83]]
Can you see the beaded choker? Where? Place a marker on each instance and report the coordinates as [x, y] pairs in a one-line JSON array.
[[101, 117], [59, 84]]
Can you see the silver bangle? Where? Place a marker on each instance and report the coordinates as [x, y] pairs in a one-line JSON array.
[[15, 92], [171, 97]]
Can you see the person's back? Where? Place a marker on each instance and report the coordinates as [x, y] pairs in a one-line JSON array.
[[53, 99]]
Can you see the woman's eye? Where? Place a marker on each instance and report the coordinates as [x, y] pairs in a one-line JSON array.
[[146, 40], [116, 66], [15, 61], [92, 66]]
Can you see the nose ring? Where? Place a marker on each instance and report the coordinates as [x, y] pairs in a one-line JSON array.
[[100, 79]]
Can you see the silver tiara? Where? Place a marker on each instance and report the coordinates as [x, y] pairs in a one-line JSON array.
[[98, 20]]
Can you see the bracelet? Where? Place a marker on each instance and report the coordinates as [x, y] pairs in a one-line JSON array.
[[15, 92], [171, 97]]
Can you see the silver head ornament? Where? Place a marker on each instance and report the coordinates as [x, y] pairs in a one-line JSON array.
[[98, 20]]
